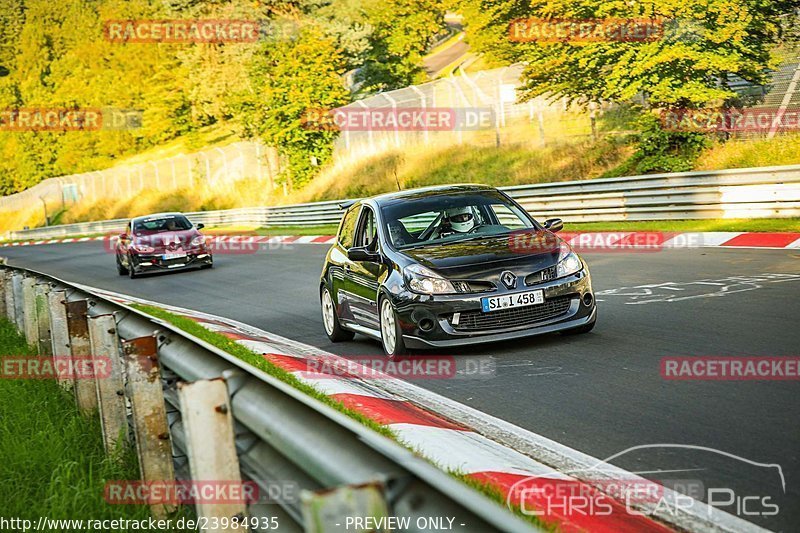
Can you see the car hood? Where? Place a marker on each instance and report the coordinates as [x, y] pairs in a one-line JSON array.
[[521, 252]]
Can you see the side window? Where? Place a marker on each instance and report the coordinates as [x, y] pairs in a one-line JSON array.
[[367, 230], [348, 227], [508, 218]]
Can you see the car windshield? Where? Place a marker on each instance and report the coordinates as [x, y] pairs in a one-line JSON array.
[[161, 224], [445, 218]]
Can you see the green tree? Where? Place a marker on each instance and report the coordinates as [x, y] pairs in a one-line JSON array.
[[404, 29], [704, 42], [288, 79]]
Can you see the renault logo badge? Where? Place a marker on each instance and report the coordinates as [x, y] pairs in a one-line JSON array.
[[508, 279]]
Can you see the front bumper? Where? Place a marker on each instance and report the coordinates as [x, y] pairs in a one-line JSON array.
[[155, 263], [428, 321]]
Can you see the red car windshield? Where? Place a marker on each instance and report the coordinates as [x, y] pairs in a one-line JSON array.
[[161, 224]]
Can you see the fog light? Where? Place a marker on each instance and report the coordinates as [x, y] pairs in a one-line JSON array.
[[426, 324], [588, 299]]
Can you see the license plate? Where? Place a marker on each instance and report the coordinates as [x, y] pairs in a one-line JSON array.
[[167, 257], [507, 301]]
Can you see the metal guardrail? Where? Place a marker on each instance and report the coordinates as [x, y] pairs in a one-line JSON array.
[[768, 192], [281, 434]]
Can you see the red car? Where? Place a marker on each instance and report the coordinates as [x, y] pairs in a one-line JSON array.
[[161, 242]]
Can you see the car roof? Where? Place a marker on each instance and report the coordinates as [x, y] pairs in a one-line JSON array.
[[425, 192], [158, 215]]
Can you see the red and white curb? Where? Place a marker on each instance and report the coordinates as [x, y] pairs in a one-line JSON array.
[[605, 240], [458, 438]]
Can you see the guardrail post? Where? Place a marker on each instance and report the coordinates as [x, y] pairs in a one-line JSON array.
[[19, 302], [80, 349], [5, 290], [3, 293], [149, 414], [59, 331], [30, 324], [10, 306], [326, 511], [208, 426], [43, 319], [110, 386]]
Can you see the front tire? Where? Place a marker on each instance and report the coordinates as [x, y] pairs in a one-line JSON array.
[[391, 334], [131, 270], [121, 270], [330, 319]]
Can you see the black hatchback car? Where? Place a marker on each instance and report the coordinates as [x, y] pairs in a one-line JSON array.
[[447, 266]]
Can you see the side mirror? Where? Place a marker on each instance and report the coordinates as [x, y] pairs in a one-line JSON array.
[[200, 226], [554, 224], [360, 253]]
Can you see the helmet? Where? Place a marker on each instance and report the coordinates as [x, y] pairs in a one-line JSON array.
[[462, 220]]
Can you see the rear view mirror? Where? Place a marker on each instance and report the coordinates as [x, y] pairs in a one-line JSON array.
[[553, 224], [200, 226]]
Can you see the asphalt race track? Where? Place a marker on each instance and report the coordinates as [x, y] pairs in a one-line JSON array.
[[600, 393]]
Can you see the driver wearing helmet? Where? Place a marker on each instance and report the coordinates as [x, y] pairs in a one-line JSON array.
[[457, 220]]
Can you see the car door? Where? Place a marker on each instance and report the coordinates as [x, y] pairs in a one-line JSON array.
[[340, 264], [362, 277]]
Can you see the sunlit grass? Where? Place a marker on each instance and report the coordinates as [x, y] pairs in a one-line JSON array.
[[780, 150], [53, 462]]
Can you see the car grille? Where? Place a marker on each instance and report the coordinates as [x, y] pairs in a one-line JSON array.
[[158, 260], [515, 316], [548, 274], [473, 286]]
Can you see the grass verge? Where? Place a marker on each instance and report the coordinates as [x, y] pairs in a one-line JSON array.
[[53, 462], [757, 225]]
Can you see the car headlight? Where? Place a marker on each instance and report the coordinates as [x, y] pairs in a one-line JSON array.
[[568, 262], [143, 248], [198, 241], [425, 281]]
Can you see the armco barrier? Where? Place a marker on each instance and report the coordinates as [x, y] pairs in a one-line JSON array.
[[768, 192], [280, 434]]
